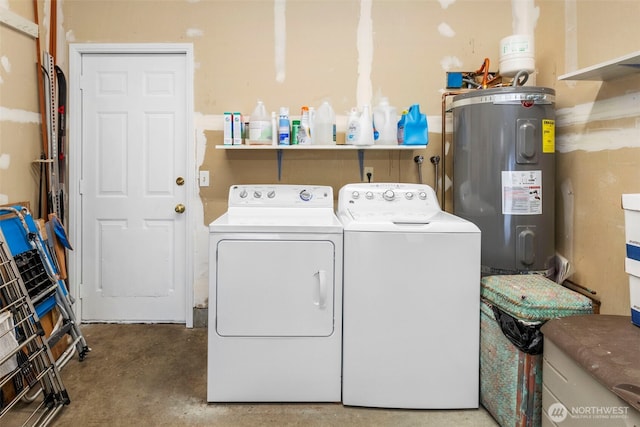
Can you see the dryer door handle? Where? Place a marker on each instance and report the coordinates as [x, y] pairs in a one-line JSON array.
[[322, 288]]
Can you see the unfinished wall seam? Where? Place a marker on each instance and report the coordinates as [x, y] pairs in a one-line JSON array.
[[18, 116], [598, 140], [525, 16], [570, 37], [445, 30], [364, 41], [194, 32], [446, 3], [618, 107], [280, 38]]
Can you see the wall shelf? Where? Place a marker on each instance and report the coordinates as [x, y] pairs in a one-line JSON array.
[[609, 70], [359, 148], [320, 147]]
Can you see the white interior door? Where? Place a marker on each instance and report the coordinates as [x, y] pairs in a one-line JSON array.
[[134, 154]]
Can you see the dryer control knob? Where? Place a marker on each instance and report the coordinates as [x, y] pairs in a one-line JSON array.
[[408, 196], [369, 195], [257, 194], [243, 194], [422, 195], [271, 194], [305, 195], [355, 195], [389, 195]]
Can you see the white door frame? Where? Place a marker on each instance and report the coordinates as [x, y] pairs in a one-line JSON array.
[[76, 50]]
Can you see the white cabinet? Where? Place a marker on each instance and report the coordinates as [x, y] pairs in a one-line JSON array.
[[591, 372]]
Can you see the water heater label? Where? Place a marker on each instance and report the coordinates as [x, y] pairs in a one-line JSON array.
[[548, 136], [522, 192]]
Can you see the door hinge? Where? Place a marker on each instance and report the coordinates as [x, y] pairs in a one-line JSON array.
[[81, 187]]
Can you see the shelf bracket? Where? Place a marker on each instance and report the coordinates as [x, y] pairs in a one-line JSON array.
[[279, 155], [361, 163]]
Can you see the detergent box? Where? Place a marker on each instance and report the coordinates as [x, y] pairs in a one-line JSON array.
[[632, 267], [228, 129], [631, 206], [237, 128]]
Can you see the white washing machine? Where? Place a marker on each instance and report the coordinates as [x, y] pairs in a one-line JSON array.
[[411, 309], [275, 296]]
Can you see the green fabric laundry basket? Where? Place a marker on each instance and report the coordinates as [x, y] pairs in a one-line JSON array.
[[513, 309]]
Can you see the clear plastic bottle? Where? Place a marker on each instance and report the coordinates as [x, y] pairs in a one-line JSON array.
[[312, 120], [353, 127], [324, 125], [366, 127], [260, 129], [304, 133], [401, 127], [385, 119]]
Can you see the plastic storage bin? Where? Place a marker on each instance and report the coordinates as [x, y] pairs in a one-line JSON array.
[[513, 309]]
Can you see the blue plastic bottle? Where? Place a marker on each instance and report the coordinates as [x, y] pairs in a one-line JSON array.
[[416, 127], [284, 127]]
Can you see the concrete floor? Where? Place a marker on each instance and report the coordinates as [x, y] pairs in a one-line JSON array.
[[155, 375]]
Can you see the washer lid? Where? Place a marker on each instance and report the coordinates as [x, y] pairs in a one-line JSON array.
[[441, 222]]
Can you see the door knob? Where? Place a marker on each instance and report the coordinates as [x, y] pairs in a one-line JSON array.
[[180, 180], [180, 208]]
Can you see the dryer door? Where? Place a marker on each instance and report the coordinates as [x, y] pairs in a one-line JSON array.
[[275, 288]]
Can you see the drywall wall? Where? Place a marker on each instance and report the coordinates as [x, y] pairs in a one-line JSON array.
[[351, 53], [293, 53], [20, 141], [598, 146]]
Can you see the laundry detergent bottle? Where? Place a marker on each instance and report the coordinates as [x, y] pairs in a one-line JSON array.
[[353, 127], [400, 129], [366, 127], [324, 125], [260, 127], [385, 122]]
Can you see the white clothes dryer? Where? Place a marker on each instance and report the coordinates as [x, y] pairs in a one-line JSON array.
[[275, 296], [411, 309]]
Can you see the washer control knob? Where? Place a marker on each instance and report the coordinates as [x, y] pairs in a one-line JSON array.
[[409, 195], [389, 195], [243, 194], [355, 195], [257, 194], [305, 195], [369, 195], [271, 194], [422, 195]]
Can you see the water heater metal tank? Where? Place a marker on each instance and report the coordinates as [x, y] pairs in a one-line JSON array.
[[504, 175]]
